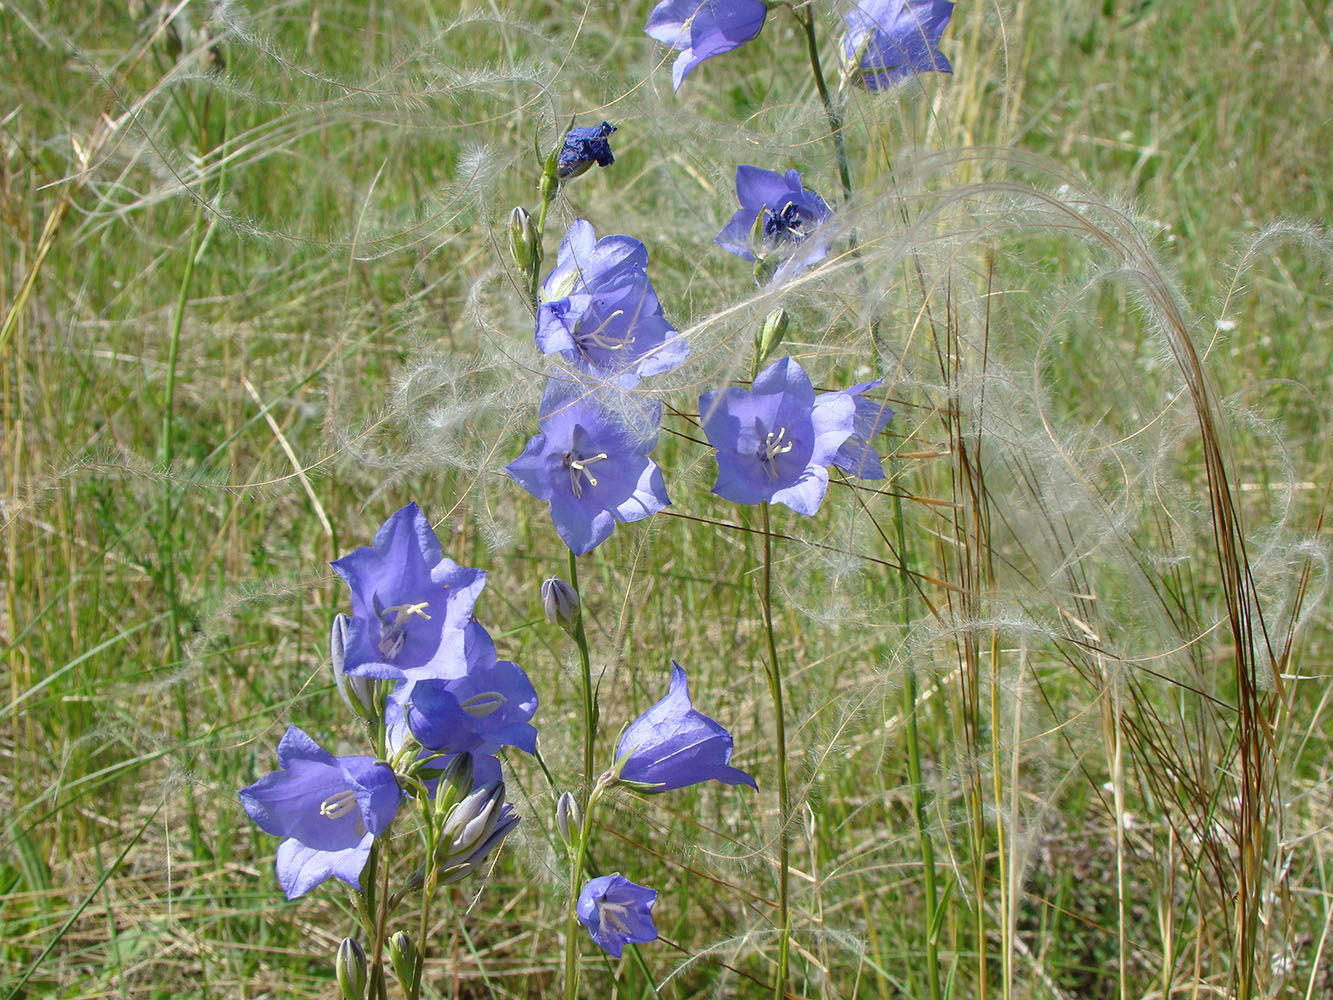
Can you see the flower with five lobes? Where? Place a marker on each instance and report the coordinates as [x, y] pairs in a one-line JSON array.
[[701, 29], [409, 602], [617, 912], [673, 745], [790, 214], [582, 148], [774, 441], [888, 41], [329, 809], [591, 465], [600, 313], [476, 706]]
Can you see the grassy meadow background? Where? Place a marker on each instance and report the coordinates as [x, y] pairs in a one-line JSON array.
[[256, 296]]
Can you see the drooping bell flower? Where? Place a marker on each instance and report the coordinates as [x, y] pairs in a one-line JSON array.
[[701, 29], [673, 745], [617, 912]]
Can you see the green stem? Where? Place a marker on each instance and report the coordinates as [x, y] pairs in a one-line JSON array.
[[589, 708], [784, 801], [534, 277], [914, 766], [831, 110], [580, 853]]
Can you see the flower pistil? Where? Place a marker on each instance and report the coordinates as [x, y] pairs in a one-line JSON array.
[[578, 470]]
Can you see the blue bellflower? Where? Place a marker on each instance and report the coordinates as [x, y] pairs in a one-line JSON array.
[[409, 602], [617, 912], [856, 455], [582, 148], [888, 41], [701, 29], [600, 313], [791, 220], [488, 705], [591, 466], [328, 808], [774, 441], [673, 745]]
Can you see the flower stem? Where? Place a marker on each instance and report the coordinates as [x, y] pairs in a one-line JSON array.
[[577, 861], [784, 802], [831, 110], [589, 708]]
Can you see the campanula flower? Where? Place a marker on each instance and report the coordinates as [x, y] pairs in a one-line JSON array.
[[590, 465], [583, 147], [409, 602], [778, 216], [701, 29], [488, 705], [857, 456], [328, 808], [775, 440], [888, 41], [617, 912], [600, 313], [673, 745]]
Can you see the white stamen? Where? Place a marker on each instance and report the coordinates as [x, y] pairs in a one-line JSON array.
[[578, 468], [391, 635], [773, 447], [481, 705], [613, 914], [338, 805]]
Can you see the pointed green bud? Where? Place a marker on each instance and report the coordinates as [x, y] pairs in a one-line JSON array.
[[350, 968], [568, 816], [524, 246], [455, 783], [404, 957], [560, 601], [770, 335], [758, 241]]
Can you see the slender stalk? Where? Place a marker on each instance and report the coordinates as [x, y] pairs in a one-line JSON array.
[[784, 800], [914, 767], [589, 708], [831, 110], [579, 859], [535, 276]]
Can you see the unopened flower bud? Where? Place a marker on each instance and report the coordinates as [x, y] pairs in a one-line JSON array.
[[770, 335], [524, 246], [404, 957], [350, 968], [357, 692], [473, 828], [560, 601], [455, 783], [568, 815]]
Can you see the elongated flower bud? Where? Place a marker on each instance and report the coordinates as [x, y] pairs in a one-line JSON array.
[[770, 335], [350, 968], [357, 692], [560, 601], [473, 829], [568, 816], [405, 958], [524, 246]]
